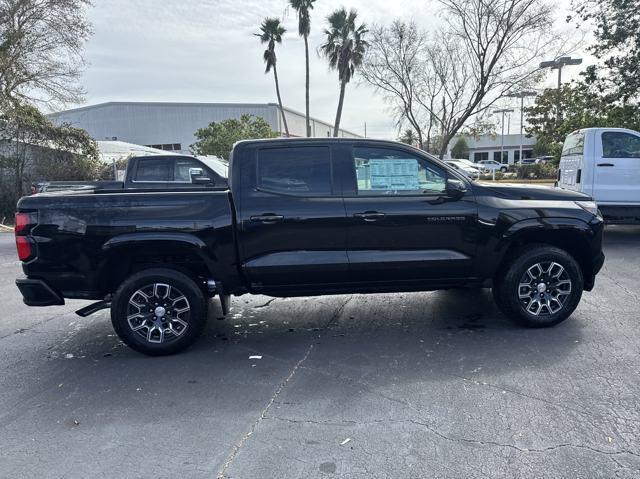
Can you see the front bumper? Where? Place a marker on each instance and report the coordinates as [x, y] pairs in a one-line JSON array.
[[36, 292]]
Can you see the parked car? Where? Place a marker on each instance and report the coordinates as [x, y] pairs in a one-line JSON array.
[[469, 172], [306, 217], [543, 160], [468, 163], [492, 165], [605, 164], [152, 172]]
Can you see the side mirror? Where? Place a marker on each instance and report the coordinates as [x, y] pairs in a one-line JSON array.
[[455, 188], [198, 178]]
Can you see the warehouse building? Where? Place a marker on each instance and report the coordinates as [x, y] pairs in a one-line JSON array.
[[171, 126]]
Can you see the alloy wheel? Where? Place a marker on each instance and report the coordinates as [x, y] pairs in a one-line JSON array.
[[544, 288], [158, 312]]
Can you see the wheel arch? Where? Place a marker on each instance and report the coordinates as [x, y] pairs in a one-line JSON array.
[[128, 254], [571, 235]]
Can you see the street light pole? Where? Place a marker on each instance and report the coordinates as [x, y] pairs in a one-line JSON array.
[[521, 94], [502, 111], [558, 64]]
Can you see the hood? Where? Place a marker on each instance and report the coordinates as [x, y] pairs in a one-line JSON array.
[[518, 191]]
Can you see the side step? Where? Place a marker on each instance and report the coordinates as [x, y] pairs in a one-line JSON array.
[[93, 308]]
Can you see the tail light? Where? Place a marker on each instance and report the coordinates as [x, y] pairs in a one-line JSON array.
[[24, 243]]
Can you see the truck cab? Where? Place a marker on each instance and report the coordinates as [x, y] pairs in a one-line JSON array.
[[604, 163]]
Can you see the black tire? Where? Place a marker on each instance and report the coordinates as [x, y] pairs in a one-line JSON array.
[[176, 320], [504, 169], [519, 291]]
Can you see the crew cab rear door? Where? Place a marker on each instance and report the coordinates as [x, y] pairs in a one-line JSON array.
[[291, 216], [402, 226]]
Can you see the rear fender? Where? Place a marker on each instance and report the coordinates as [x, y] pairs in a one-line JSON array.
[[114, 246]]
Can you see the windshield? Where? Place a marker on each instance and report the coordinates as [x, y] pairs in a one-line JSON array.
[[574, 144]]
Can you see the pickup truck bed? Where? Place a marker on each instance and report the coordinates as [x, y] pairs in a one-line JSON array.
[[307, 217]]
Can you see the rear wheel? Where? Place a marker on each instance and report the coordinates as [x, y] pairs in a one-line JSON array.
[[504, 169], [158, 311], [539, 287]]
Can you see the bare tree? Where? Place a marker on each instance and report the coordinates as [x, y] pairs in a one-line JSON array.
[[485, 49], [394, 64], [41, 50]]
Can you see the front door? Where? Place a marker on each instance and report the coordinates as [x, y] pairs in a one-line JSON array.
[[402, 226], [617, 172], [291, 217]]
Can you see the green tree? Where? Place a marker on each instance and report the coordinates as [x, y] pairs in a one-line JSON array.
[[303, 9], [218, 138], [344, 49], [461, 148], [409, 137], [271, 32], [617, 45], [32, 149], [582, 107]]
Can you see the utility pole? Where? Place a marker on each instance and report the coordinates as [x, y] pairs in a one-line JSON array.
[[365, 129], [522, 95], [502, 111]]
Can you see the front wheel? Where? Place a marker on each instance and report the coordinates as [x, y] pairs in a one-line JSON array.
[[158, 311], [539, 287], [503, 169]]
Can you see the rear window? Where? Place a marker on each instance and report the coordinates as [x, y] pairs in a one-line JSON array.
[[299, 170], [574, 144], [154, 169]]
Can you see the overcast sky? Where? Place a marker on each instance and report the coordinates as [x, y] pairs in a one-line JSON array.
[[204, 51]]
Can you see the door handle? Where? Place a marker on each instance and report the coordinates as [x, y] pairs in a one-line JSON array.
[[605, 164], [267, 218], [369, 215]]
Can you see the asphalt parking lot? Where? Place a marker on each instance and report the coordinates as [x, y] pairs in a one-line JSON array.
[[386, 386]]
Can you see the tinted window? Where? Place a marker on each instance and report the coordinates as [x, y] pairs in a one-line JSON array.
[[298, 170], [182, 167], [574, 144], [383, 171], [617, 144], [154, 169]]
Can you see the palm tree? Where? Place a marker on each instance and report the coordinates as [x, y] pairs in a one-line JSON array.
[[409, 137], [303, 8], [271, 32], [344, 49]]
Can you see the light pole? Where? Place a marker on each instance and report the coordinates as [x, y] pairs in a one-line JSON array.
[[521, 94], [558, 64], [503, 111]]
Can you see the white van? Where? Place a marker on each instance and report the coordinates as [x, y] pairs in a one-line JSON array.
[[605, 164]]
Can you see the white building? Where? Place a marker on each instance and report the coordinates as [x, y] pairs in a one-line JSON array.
[[171, 126], [487, 147]]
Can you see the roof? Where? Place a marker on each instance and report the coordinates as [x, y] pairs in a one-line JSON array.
[[185, 104]]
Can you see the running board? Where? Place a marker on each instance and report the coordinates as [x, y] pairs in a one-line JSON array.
[[93, 308]]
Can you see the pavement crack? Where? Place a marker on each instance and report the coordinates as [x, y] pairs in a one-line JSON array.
[[337, 314], [238, 446]]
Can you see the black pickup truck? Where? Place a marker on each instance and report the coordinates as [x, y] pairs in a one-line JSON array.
[[152, 172], [307, 217]]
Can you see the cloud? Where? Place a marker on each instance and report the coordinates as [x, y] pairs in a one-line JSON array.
[[204, 51]]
